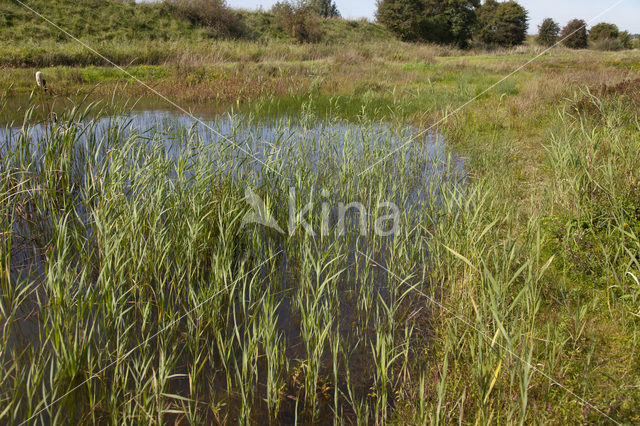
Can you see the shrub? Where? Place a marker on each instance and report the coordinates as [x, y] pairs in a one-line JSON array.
[[574, 35], [603, 31], [626, 40], [548, 33], [502, 24], [608, 44], [299, 21], [623, 41], [608, 37], [438, 21], [211, 14]]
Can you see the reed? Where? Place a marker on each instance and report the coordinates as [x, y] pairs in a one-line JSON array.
[[132, 292]]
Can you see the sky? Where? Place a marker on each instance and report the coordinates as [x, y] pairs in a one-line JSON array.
[[626, 15]]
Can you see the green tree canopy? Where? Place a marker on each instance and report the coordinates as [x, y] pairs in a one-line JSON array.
[[608, 37], [438, 21], [325, 8], [604, 31], [548, 32], [574, 35], [503, 24]]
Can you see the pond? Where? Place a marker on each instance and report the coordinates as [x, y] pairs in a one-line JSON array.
[[296, 228]]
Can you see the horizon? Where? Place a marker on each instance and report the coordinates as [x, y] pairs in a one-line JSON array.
[[624, 15]]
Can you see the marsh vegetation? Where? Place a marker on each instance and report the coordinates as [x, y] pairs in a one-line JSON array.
[[129, 272], [133, 290]]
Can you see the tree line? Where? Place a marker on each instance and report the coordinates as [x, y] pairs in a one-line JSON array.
[[458, 22], [574, 35], [455, 21], [495, 23]]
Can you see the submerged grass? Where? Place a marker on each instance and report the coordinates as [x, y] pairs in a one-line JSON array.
[[131, 290]]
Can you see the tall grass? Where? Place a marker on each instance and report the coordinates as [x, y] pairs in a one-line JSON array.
[[131, 292], [534, 294]]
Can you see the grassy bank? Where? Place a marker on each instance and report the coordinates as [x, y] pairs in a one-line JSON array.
[[525, 270], [114, 20], [148, 33], [390, 79]]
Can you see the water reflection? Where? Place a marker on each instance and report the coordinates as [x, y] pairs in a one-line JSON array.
[[286, 142], [335, 154]]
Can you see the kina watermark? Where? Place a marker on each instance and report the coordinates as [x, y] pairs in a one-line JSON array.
[[333, 216]]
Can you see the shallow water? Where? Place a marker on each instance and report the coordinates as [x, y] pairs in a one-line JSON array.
[[254, 142], [252, 151], [257, 134]]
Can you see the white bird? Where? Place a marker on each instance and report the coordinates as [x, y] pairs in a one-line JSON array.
[[40, 81]]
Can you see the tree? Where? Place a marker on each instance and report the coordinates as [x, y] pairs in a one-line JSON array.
[[325, 8], [504, 24], [574, 35], [403, 18], [608, 37], [626, 40], [603, 31], [438, 21], [300, 21], [548, 33]]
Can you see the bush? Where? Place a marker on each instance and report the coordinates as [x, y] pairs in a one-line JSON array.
[[503, 24], [608, 44], [574, 35], [626, 40], [299, 21], [211, 14], [437, 21], [548, 33], [623, 41], [603, 31], [608, 37]]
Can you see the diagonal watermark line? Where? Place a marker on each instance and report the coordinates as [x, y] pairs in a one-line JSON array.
[[95, 375], [475, 98], [489, 338], [136, 79]]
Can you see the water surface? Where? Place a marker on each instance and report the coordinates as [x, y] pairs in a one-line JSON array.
[[325, 161]]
